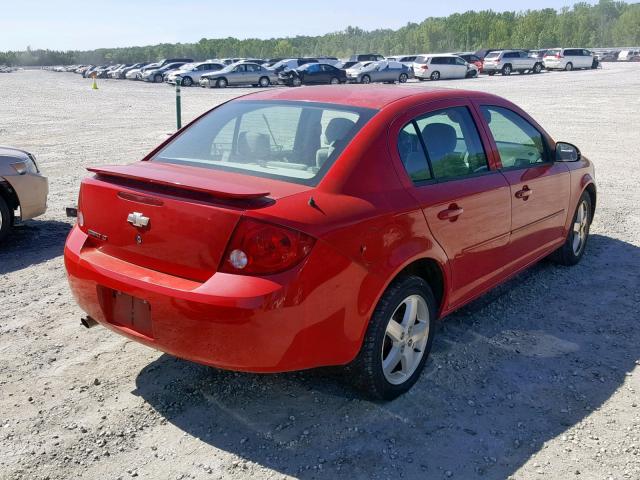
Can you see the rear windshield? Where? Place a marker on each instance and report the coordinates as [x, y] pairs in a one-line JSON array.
[[291, 141], [493, 55], [552, 52], [421, 59]]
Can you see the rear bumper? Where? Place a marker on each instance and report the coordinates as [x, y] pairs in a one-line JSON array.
[[305, 318]]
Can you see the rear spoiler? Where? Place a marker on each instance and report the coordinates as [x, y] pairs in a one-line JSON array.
[[180, 177]]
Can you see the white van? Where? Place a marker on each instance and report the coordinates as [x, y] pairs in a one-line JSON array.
[[435, 67], [567, 59]]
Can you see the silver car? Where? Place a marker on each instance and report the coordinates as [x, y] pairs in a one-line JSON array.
[[23, 189], [240, 74], [382, 71]]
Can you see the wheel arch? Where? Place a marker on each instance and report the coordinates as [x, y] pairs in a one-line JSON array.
[[432, 272], [590, 188]]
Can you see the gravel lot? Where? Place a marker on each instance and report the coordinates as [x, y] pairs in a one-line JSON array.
[[538, 379]]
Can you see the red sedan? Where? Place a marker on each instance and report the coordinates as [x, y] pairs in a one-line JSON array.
[[298, 228]]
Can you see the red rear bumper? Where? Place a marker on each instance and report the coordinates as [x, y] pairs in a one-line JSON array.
[[304, 318]]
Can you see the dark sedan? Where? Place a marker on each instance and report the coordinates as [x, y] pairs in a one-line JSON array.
[[313, 74]]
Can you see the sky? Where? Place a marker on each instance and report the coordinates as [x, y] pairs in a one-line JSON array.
[[89, 24]]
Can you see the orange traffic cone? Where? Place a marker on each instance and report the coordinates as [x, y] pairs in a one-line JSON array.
[[94, 86]]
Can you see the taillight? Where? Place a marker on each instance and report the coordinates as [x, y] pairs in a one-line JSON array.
[[258, 248], [424, 67], [558, 55]]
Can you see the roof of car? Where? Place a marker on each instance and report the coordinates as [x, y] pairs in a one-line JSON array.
[[369, 96]]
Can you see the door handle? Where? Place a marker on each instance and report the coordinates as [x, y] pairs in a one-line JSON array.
[[525, 193], [452, 213]]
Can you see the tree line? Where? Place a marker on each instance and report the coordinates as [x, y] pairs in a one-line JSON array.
[[606, 24]]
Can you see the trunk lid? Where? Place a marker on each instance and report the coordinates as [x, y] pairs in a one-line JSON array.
[[170, 218]]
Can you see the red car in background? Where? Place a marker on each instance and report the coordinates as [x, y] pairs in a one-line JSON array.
[[472, 59], [297, 228]]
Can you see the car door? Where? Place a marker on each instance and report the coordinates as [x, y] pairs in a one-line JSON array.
[[460, 67], [464, 198], [539, 186], [587, 59], [238, 76]]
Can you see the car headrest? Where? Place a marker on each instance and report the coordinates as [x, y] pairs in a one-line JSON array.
[[338, 129], [440, 140]]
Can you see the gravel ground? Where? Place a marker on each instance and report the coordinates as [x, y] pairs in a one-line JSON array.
[[538, 379]]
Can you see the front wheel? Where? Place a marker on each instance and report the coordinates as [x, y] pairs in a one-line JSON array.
[[397, 341], [5, 219], [186, 82], [222, 83], [365, 79], [573, 248], [296, 82], [403, 78], [157, 78]]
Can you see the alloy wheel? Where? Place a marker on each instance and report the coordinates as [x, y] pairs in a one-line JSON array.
[[405, 339], [580, 228]]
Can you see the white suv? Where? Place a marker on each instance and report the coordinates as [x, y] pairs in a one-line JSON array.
[[508, 61], [567, 59]]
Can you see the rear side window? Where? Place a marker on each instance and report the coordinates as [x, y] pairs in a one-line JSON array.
[[492, 55], [286, 140], [519, 143], [452, 143]]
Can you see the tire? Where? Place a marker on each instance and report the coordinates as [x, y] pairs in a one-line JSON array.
[[6, 219], [471, 74], [537, 68], [506, 70], [366, 79], [222, 83], [403, 78], [157, 78], [186, 82], [334, 81], [264, 82], [568, 67], [491, 74], [574, 246], [435, 76], [367, 371], [296, 82]]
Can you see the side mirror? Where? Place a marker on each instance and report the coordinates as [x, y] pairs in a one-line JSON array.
[[566, 152]]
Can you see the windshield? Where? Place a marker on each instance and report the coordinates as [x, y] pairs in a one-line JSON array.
[[286, 140], [552, 52]]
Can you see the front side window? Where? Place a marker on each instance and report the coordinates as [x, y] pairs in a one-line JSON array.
[[519, 143], [291, 141]]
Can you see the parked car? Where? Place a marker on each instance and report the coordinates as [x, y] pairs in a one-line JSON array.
[[508, 61], [157, 75], [116, 72], [23, 189], [239, 74], [607, 56], [404, 59], [192, 72], [291, 63], [471, 58], [166, 61], [539, 54], [568, 59], [136, 73], [313, 74], [354, 59], [382, 71], [318, 229], [122, 73], [628, 55], [441, 66]]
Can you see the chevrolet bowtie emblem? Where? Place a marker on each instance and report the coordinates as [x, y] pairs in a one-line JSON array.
[[138, 220]]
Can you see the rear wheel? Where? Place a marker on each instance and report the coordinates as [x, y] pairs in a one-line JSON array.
[[506, 70], [491, 74], [573, 248], [435, 75], [186, 82], [365, 79], [264, 82], [222, 83], [403, 78], [398, 340], [5, 219], [537, 68], [568, 67]]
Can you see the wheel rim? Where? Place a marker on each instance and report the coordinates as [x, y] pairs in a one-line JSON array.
[[569, 67], [365, 79], [507, 70], [186, 82], [334, 81], [297, 82], [435, 76], [264, 82], [580, 228], [222, 83], [405, 339], [403, 78]]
